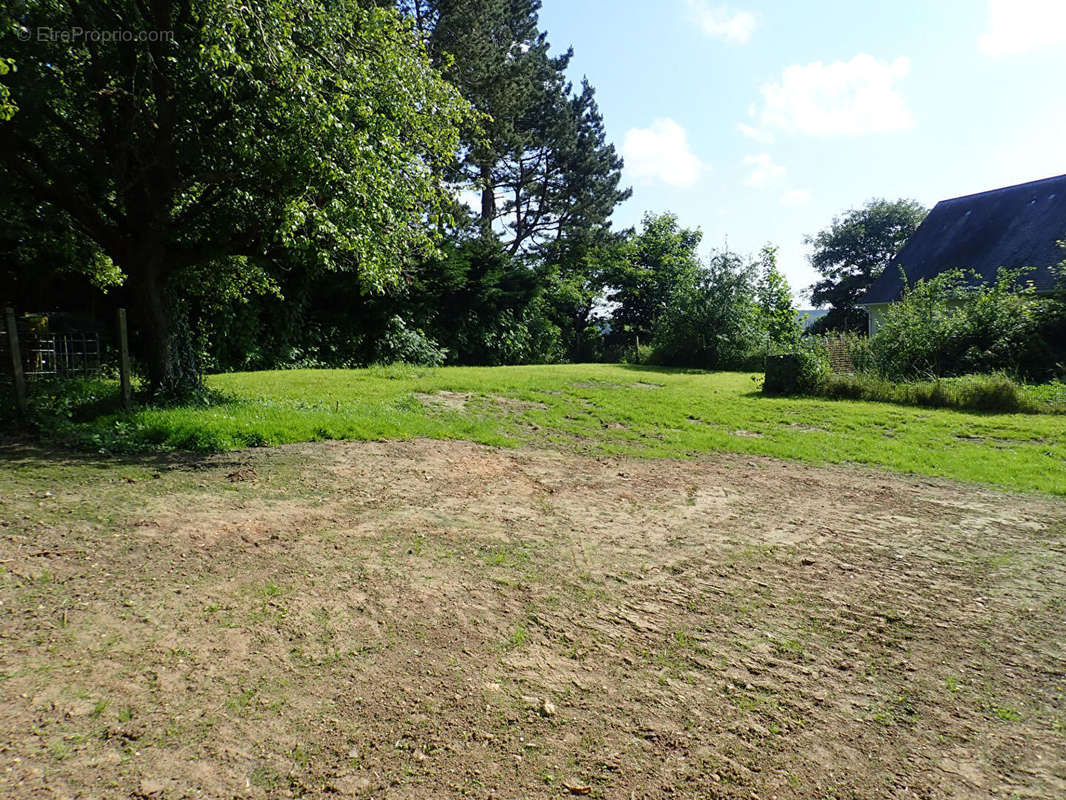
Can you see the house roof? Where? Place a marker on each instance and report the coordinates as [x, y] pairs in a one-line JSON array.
[[1016, 226]]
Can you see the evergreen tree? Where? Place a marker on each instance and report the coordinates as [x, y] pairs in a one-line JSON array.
[[541, 160]]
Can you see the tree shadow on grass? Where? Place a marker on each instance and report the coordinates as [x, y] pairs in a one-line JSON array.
[[20, 452], [652, 368]]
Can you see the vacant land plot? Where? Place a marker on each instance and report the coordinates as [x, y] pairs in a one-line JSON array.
[[431, 619]]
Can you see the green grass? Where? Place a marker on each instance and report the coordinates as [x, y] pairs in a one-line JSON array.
[[608, 409], [996, 392]]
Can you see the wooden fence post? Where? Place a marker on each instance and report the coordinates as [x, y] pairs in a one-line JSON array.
[[16, 360], [124, 361]]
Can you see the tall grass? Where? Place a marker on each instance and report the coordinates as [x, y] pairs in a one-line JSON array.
[[992, 393]]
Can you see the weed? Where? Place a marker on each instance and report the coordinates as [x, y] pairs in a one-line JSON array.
[[264, 778], [1006, 714], [241, 701], [516, 638]]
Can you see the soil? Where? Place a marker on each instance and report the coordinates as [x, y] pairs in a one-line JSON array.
[[433, 619]]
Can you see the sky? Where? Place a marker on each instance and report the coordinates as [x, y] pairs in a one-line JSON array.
[[761, 120]]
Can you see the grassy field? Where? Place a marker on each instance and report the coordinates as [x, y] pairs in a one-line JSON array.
[[609, 409]]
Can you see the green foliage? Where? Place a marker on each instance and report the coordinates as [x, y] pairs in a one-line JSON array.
[[484, 305], [992, 393], [715, 322], [852, 252], [54, 405], [803, 370], [951, 325], [775, 302], [314, 134], [658, 267], [408, 346], [574, 273], [7, 107]]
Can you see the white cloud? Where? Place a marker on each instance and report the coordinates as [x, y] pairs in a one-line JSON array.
[[661, 153], [795, 197], [845, 97], [1018, 26], [765, 137], [722, 22], [764, 169]]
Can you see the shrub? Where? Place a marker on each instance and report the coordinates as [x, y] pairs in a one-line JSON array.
[[946, 326], [989, 393], [993, 393], [408, 345], [803, 371]]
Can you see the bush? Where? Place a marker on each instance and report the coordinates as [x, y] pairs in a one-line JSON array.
[[714, 323], [802, 371], [993, 393], [400, 343], [945, 326]]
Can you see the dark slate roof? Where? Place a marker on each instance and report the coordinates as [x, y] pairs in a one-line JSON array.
[[1017, 226]]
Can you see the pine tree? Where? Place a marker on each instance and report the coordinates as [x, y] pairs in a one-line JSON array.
[[541, 160]]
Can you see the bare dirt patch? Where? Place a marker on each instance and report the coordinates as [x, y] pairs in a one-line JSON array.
[[454, 401], [439, 619], [458, 401]]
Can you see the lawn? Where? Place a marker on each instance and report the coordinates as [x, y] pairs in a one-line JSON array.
[[607, 409]]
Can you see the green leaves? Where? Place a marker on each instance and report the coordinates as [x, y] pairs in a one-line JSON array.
[[311, 133], [7, 107], [853, 251], [952, 325], [660, 263], [775, 302]]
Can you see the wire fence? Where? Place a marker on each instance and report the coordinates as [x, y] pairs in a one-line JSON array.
[[47, 354], [63, 355], [40, 347]]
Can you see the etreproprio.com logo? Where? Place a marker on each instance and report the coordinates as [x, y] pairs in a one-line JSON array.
[[95, 35]]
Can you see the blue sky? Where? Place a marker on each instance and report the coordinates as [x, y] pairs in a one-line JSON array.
[[759, 121]]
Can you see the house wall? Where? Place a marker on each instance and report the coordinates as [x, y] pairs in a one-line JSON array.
[[876, 314]]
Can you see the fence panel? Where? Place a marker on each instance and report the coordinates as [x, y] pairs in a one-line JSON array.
[[53, 354], [839, 357]]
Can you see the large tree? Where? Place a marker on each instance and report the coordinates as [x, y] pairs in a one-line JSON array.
[[775, 301], [212, 132], [659, 264], [852, 252], [540, 161]]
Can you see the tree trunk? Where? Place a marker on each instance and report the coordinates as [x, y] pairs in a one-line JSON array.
[[581, 323], [165, 338], [488, 200]]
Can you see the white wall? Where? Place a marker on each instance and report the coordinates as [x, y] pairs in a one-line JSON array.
[[876, 312]]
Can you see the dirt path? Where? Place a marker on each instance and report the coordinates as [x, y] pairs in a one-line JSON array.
[[439, 619]]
